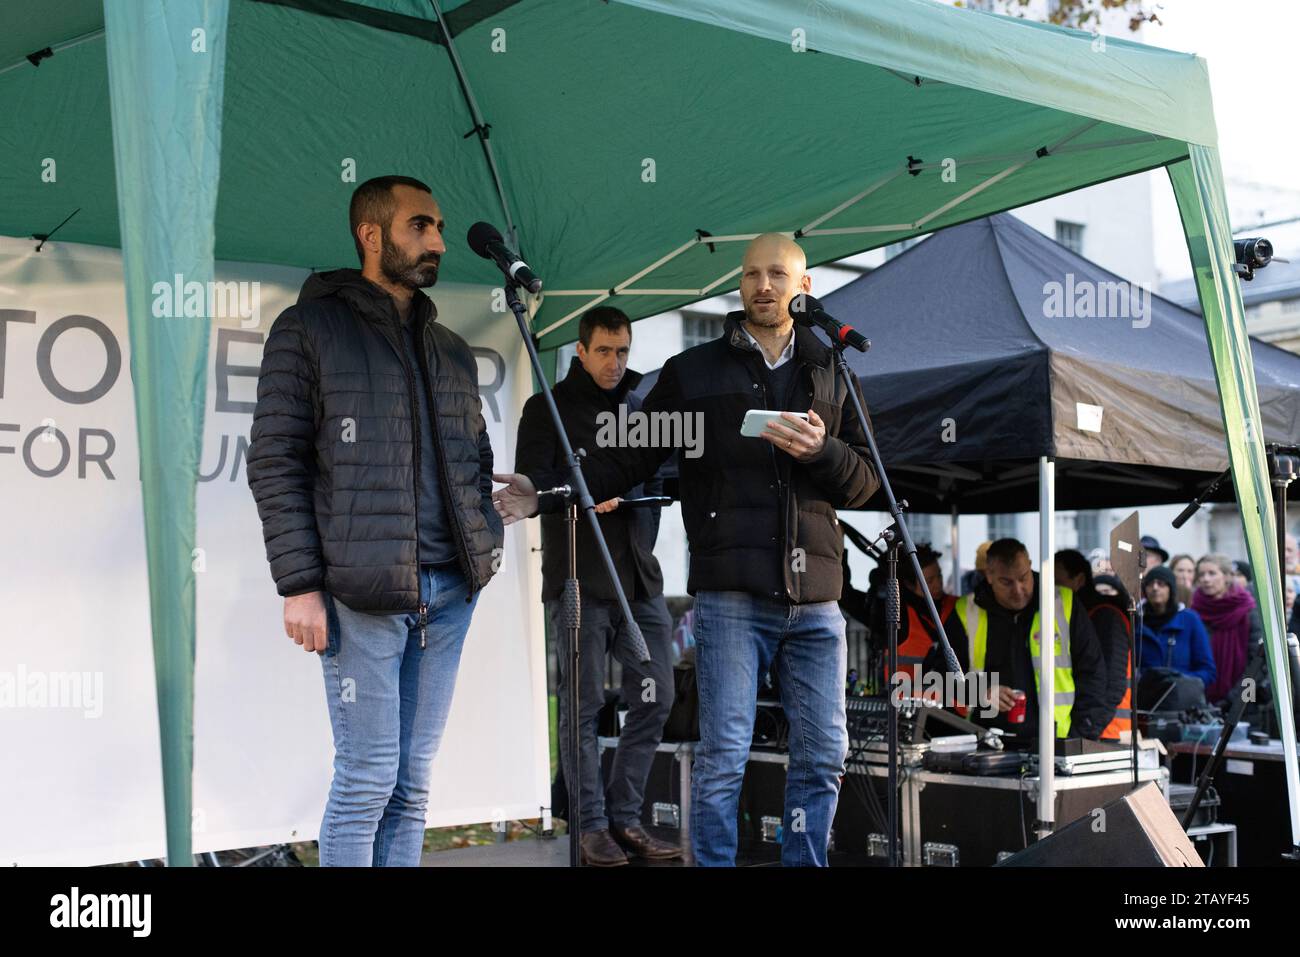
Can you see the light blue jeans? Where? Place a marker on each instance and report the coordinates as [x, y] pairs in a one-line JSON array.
[[388, 704], [738, 638]]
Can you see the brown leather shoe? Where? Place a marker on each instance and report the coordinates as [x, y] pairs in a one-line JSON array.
[[600, 850], [636, 841]]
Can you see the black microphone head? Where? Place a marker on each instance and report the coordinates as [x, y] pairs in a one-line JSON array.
[[803, 306], [480, 235]]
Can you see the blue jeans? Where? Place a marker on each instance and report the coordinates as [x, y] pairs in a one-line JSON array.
[[738, 638], [388, 703]]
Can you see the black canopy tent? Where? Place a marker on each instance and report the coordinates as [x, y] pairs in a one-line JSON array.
[[964, 411], [994, 347]]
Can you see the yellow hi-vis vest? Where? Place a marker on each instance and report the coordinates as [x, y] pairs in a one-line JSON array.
[[1064, 676]]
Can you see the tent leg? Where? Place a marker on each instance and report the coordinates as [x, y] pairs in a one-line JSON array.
[[166, 121], [1047, 646], [1202, 205]]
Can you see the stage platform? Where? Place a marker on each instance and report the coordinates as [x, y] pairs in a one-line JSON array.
[[554, 852], [533, 852]]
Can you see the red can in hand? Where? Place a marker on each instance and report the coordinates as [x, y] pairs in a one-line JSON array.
[[1017, 713]]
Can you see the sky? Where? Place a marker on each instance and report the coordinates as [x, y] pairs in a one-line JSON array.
[[1253, 51]]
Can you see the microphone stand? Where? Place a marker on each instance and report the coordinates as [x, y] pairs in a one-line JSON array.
[[892, 535], [1135, 612], [893, 621], [578, 497], [895, 511]]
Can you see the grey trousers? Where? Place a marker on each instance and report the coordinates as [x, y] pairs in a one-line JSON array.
[[647, 690]]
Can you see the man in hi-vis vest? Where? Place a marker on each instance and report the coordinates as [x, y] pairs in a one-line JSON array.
[[1002, 638]]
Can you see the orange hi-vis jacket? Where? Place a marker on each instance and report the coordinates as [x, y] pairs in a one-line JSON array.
[[1123, 720], [911, 653]]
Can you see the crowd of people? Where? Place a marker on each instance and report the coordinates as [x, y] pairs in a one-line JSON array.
[[1199, 619], [1201, 616]]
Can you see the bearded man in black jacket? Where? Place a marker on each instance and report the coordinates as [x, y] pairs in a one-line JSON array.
[[371, 466]]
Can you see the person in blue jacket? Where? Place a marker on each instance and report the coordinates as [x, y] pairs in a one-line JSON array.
[[1173, 635]]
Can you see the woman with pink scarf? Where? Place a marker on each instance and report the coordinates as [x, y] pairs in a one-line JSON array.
[[1232, 619]]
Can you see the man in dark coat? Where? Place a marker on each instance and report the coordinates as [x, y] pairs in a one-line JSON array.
[[588, 400], [1000, 637], [766, 546], [371, 467]]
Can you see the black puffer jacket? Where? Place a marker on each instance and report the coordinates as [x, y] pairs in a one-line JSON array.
[[629, 533], [334, 455], [748, 507]]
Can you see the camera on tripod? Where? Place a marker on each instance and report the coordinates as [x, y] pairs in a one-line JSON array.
[[1253, 253]]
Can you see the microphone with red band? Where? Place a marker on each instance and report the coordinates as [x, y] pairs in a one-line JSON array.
[[807, 311]]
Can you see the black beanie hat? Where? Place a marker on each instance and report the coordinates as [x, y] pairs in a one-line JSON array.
[[1161, 573]]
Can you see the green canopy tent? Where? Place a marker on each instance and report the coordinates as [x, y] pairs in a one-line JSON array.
[[628, 148]]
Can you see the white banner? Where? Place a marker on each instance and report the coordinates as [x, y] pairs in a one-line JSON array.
[[78, 715]]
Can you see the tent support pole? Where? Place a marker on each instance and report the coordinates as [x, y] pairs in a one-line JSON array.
[[512, 232], [1047, 646], [1202, 205]]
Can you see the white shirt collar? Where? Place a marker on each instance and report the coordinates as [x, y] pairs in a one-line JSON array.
[[786, 354]]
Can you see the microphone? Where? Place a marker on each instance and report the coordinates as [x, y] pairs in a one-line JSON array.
[[484, 239], [807, 311], [1186, 513]]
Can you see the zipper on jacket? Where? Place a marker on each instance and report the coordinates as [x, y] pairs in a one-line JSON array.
[[400, 349], [783, 500], [415, 445], [463, 553]]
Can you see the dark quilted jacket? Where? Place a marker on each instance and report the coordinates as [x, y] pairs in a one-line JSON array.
[[629, 533], [333, 458], [757, 521]]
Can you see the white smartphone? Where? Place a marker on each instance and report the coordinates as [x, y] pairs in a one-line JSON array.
[[756, 421]]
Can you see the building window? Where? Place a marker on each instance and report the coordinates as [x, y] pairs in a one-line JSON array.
[[1002, 526], [1067, 531], [699, 328], [1087, 526], [1070, 235], [922, 528]]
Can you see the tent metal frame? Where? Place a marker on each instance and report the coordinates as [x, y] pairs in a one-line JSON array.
[[813, 228]]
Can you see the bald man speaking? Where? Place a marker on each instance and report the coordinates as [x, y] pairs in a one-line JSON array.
[[765, 544]]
